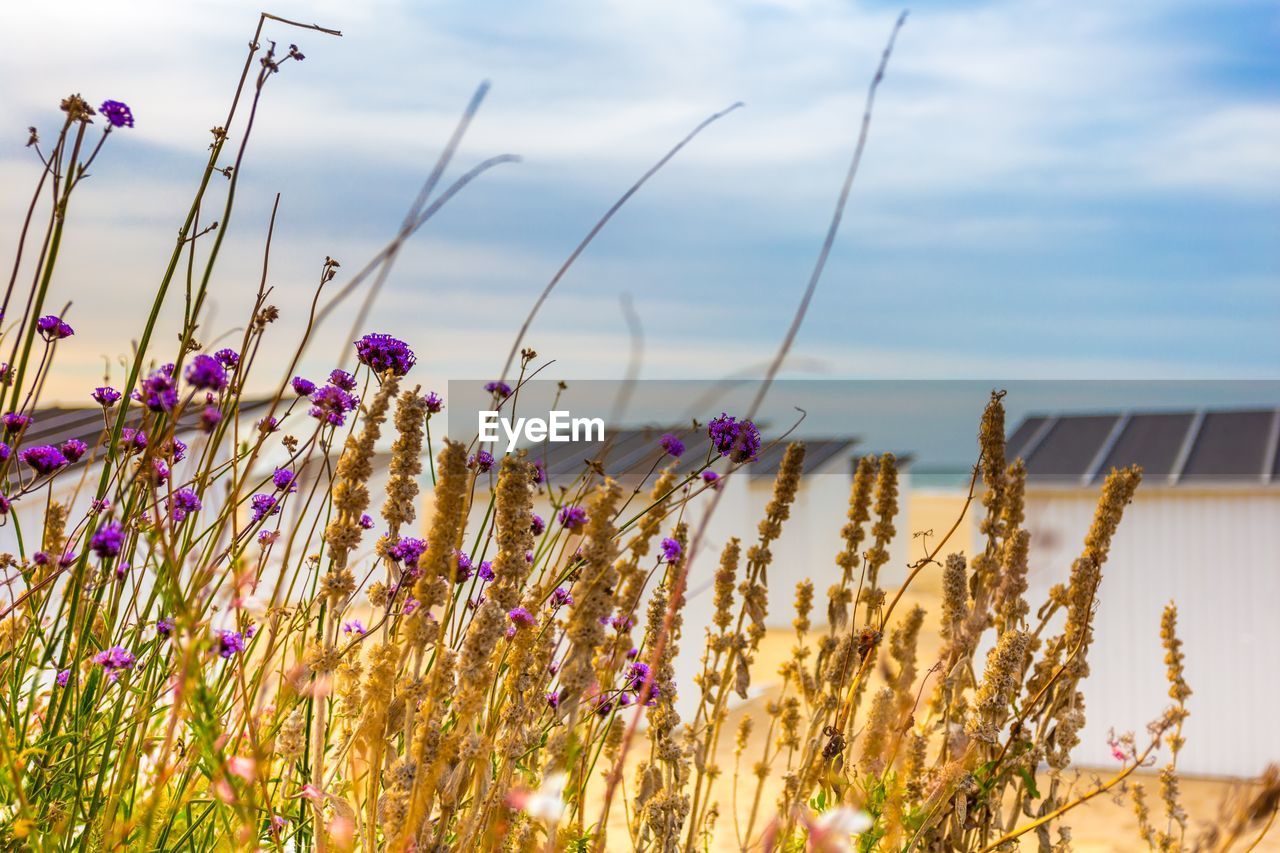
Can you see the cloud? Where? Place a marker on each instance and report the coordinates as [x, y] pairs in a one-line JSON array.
[[1039, 176]]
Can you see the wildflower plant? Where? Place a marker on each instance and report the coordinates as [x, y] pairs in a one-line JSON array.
[[214, 635]]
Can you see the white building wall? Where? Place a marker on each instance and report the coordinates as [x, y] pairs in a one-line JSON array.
[[1217, 555]]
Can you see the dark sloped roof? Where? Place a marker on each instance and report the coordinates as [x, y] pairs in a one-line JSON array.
[[631, 456], [1236, 446]]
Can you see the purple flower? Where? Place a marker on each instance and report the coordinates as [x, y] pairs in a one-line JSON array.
[[366, 522], [539, 472], [117, 113], [283, 479], [303, 387], [121, 570], [263, 505], [573, 518], [175, 449], [434, 403], [6, 505], [522, 618], [465, 566], [671, 444], [408, 550], [268, 425], [207, 372], [14, 423], [537, 525], [43, 459], [355, 626], [485, 571], [5, 452], [158, 393], [383, 352], [267, 538], [636, 675], [228, 358], [63, 677], [164, 626], [330, 405], [52, 328], [115, 659], [711, 478], [183, 503], [228, 643], [134, 440], [739, 440], [553, 700], [483, 461], [343, 380], [561, 597], [502, 389], [671, 550], [105, 396], [108, 541], [210, 418], [159, 471]]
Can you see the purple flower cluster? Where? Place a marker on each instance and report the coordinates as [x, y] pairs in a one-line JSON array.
[[711, 478], [671, 550], [481, 461], [465, 566], [263, 506], [502, 389], [210, 418], [383, 352], [117, 113], [108, 541], [303, 387], [183, 503], [53, 328], [672, 445], [537, 525], [434, 403], [331, 403], [228, 644], [14, 423], [408, 550], [573, 518], [114, 660], [561, 597], [106, 396], [228, 358], [520, 618], [282, 479], [342, 379], [134, 440], [159, 392], [164, 626], [207, 373], [44, 459], [73, 449], [739, 440]]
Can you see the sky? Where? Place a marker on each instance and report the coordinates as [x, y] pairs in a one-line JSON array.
[[1085, 190]]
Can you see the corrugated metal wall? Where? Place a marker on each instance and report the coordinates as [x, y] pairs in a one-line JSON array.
[[1217, 554]]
